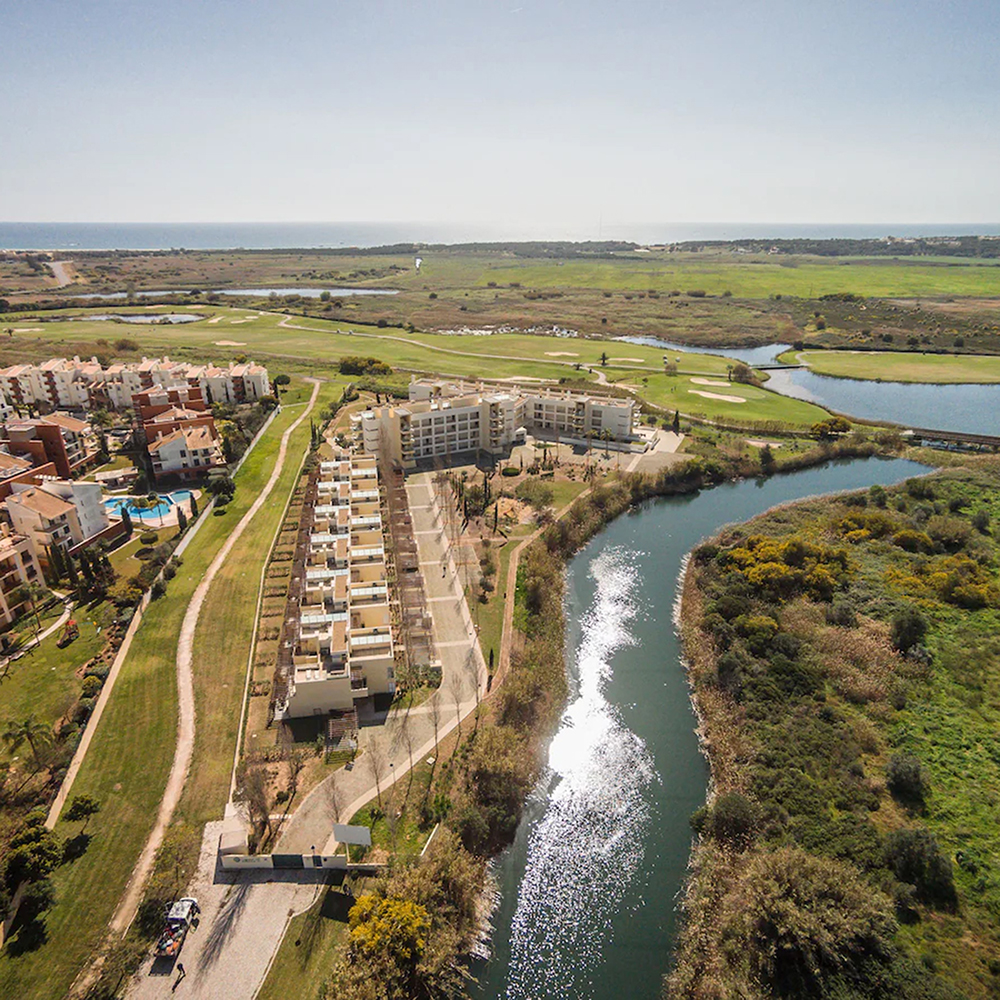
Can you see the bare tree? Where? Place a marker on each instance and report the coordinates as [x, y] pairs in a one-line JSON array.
[[336, 799], [472, 669], [406, 738], [434, 708], [378, 764], [296, 761], [253, 792], [455, 687]]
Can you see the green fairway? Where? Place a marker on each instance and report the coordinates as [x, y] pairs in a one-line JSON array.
[[128, 762], [900, 366], [756, 276], [739, 403]]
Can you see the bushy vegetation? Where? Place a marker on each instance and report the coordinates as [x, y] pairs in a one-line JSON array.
[[852, 817]]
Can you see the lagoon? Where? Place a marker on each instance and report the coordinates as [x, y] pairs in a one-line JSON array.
[[590, 887]]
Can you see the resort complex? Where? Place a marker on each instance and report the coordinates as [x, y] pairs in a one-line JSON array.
[[444, 419]]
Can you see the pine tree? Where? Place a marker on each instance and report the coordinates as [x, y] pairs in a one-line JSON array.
[[182, 521], [86, 568], [57, 565], [71, 574], [126, 521], [677, 421], [194, 506]]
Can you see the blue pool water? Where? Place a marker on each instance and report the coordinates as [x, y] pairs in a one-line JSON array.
[[162, 508]]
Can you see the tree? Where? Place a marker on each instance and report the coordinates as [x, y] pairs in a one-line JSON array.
[[71, 574], [31, 594], [82, 808], [392, 935], [434, 709], [767, 461], [182, 521], [908, 629], [194, 506], [606, 437], [377, 765], [57, 564], [455, 688], [906, 777], [29, 730], [604, 359], [916, 859], [279, 381], [677, 421], [222, 486], [126, 521]]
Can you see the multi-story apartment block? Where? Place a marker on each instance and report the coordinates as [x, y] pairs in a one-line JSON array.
[[87, 498], [44, 519], [443, 419], [18, 567], [344, 650], [58, 438], [75, 385], [187, 452]]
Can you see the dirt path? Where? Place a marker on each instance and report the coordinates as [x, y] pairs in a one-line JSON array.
[[62, 272], [185, 688], [507, 632]]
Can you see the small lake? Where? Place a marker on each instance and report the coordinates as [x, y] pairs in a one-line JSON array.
[[589, 888], [149, 318], [306, 293], [972, 408], [753, 356]]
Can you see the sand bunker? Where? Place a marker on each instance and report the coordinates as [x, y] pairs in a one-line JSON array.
[[230, 343], [718, 395], [27, 329], [761, 444], [561, 354], [712, 381], [638, 361], [215, 319]]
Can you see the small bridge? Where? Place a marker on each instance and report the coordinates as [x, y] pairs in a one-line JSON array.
[[776, 367], [961, 439]]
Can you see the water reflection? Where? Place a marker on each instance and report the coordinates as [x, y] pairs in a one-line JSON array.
[[587, 849]]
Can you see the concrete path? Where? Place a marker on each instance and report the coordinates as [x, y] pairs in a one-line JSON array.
[[185, 688], [61, 270], [243, 919]]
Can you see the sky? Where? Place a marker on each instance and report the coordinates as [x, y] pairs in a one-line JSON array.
[[520, 112]]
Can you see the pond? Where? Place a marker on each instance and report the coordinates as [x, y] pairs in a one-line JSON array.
[[589, 888], [149, 318]]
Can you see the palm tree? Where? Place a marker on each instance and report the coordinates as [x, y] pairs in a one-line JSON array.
[[30, 593], [606, 437], [29, 730]]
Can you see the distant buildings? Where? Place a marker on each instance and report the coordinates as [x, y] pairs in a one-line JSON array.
[[344, 650], [72, 384], [442, 419]]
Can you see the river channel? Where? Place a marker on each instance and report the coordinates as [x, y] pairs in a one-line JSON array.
[[589, 888]]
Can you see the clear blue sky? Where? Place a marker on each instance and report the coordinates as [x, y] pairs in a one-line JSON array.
[[514, 112]]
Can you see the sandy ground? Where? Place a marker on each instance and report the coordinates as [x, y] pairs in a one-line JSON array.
[[712, 381], [229, 343], [215, 319], [561, 354], [27, 329], [761, 444], [185, 685], [718, 395], [638, 361]]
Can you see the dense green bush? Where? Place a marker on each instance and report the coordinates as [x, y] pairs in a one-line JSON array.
[[916, 859]]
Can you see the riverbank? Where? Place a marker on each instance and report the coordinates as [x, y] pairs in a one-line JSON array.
[[897, 366], [841, 659]]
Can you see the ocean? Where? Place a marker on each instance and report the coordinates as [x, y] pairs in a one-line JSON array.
[[317, 235]]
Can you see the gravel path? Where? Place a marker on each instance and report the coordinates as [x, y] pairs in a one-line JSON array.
[[185, 687]]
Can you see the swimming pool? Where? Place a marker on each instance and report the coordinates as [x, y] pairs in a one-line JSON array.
[[163, 506]]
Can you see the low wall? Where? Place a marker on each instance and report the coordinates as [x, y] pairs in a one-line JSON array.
[[285, 862]]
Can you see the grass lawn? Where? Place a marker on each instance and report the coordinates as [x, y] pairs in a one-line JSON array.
[[226, 627], [118, 462], [124, 559], [43, 681], [742, 404], [900, 366], [311, 946], [128, 763]]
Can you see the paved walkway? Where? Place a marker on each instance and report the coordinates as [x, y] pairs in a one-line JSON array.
[[185, 687]]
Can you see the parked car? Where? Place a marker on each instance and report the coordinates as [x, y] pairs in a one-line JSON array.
[[179, 917]]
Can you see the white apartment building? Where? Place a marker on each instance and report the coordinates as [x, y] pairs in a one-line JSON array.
[[45, 520], [187, 452], [18, 566], [345, 651], [70, 383], [442, 419], [88, 498]]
